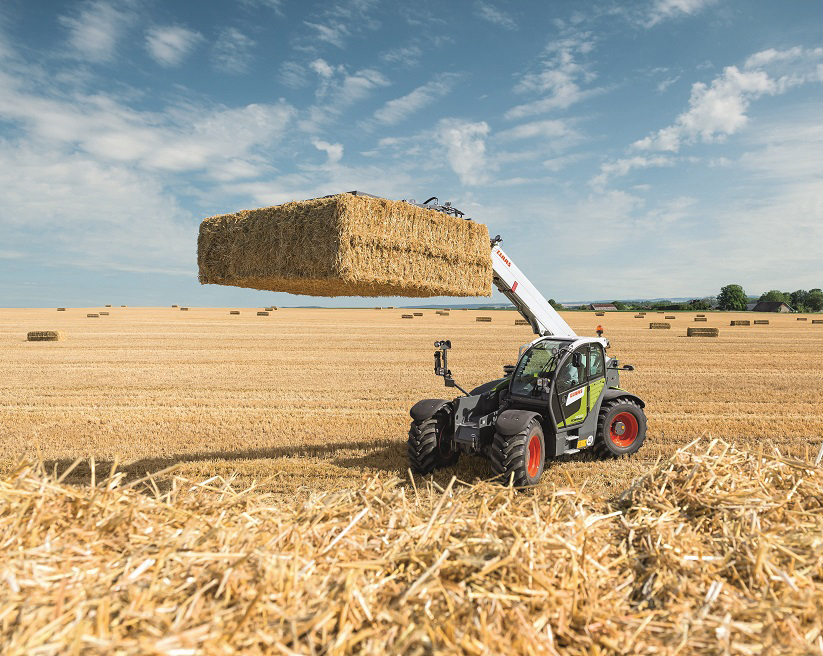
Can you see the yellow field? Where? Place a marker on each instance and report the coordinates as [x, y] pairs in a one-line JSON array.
[[320, 398]]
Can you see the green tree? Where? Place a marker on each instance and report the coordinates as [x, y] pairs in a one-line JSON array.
[[557, 306], [620, 306], [777, 296], [799, 299], [732, 297], [814, 303]]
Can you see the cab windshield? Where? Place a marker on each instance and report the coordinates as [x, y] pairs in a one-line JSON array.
[[539, 359]]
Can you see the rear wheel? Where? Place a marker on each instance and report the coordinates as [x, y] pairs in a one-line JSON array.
[[522, 456], [430, 444], [621, 428]]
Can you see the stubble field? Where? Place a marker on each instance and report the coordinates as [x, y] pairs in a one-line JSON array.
[[314, 399]]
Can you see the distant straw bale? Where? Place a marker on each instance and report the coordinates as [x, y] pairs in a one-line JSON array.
[[417, 314], [761, 322], [741, 322], [92, 316], [61, 309], [700, 319], [263, 314], [521, 322], [600, 314], [347, 246], [817, 320], [715, 550], [184, 309], [702, 332], [486, 319], [659, 325], [670, 316], [639, 316], [407, 316], [108, 306], [104, 314], [175, 306], [802, 318], [234, 311], [701, 315], [45, 336]]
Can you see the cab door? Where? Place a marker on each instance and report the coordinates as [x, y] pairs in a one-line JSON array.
[[573, 387], [596, 373]]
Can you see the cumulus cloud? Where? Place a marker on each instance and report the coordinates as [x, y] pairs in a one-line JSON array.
[[719, 109], [95, 30], [399, 109], [233, 51], [562, 79], [169, 45], [492, 14], [334, 151], [465, 145]]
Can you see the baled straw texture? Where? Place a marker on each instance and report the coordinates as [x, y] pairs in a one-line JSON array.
[[802, 318], [741, 322], [45, 336], [234, 311], [817, 320], [714, 551], [407, 316], [700, 319], [670, 316], [92, 316], [61, 309], [659, 325], [486, 319], [762, 322], [521, 322], [702, 332], [346, 246]]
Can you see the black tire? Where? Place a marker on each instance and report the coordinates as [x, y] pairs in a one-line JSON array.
[[621, 428], [430, 444], [522, 456]]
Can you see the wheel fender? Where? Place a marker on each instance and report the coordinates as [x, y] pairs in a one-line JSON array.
[[427, 408], [615, 393], [511, 422]]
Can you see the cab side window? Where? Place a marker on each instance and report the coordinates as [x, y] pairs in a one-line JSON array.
[[571, 376], [597, 365]]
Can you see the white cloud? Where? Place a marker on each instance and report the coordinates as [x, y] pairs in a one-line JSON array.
[[94, 31], [622, 167], [184, 138], [492, 14], [665, 84], [399, 109], [293, 75], [561, 79], [233, 51], [333, 33], [538, 129], [170, 45], [408, 56], [334, 151], [719, 109], [465, 145], [662, 10]]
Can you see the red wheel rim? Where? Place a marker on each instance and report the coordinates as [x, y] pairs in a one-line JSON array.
[[534, 456], [623, 431]]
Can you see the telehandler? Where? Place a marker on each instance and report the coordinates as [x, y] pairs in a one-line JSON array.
[[562, 396]]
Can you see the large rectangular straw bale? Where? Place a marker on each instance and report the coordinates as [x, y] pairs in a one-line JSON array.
[[761, 322], [45, 336], [817, 320], [700, 319], [346, 245], [600, 314], [702, 332], [61, 309], [741, 322], [802, 318], [487, 319], [670, 316], [521, 322], [659, 325]]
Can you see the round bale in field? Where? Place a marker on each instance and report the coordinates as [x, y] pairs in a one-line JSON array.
[[45, 336]]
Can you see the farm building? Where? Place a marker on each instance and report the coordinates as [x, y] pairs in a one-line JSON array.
[[771, 306], [602, 307]]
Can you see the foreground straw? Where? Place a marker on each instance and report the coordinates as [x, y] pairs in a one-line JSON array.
[[716, 550]]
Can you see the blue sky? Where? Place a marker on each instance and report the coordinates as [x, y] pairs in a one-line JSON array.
[[659, 148]]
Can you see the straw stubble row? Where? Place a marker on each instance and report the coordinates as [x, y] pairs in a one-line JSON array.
[[714, 550]]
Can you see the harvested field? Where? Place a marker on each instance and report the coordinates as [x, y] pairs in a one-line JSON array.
[[347, 246], [319, 398], [716, 550]]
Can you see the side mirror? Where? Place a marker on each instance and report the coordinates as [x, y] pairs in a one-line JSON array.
[[577, 359], [508, 369]]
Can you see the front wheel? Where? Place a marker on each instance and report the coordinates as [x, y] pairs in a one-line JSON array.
[[520, 458], [430, 444], [621, 428]]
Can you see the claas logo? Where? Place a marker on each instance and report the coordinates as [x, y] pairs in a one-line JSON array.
[[504, 258]]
